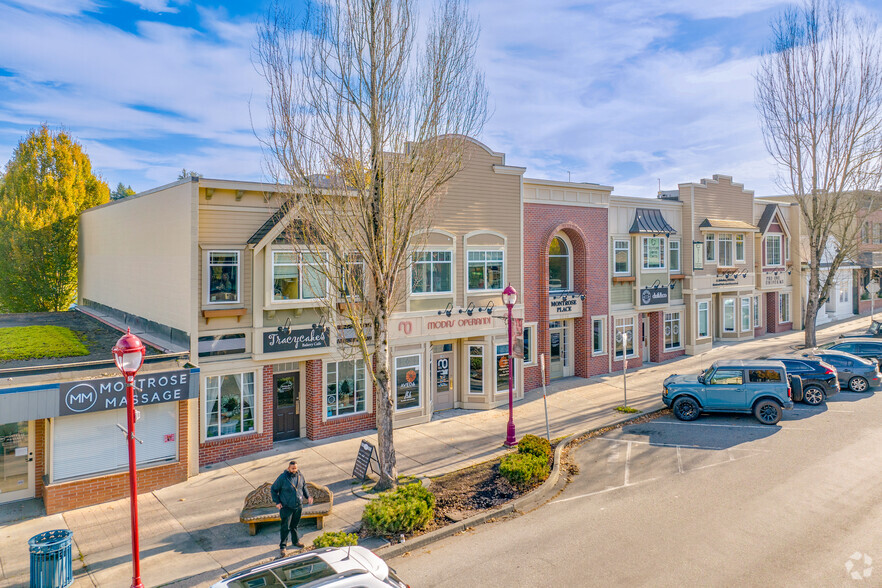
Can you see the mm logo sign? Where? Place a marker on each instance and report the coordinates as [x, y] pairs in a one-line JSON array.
[[81, 398]]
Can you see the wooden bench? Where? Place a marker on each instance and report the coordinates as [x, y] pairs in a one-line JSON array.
[[260, 508]]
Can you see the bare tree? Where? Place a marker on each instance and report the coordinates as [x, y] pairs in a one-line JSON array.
[[819, 96], [368, 120]]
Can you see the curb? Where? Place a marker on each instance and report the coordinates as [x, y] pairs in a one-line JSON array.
[[526, 503]]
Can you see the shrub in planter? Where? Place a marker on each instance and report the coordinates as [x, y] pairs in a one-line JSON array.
[[401, 510], [335, 539], [865, 296], [524, 469], [535, 446]]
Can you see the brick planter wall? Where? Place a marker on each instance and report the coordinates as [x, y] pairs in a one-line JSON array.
[[64, 496], [864, 306], [217, 450], [587, 230], [315, 427]]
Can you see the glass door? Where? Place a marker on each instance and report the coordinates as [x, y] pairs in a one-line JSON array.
[[557, 354], [16, 462]]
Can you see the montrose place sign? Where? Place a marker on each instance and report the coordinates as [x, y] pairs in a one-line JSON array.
[[110, 393], [564, 306]]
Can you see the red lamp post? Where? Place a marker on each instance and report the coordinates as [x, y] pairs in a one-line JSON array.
[[509, 297], [129, 356]]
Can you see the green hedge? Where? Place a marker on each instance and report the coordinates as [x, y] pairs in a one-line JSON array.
[[335, 539], [524, 469], [401, 510], [534, 445]]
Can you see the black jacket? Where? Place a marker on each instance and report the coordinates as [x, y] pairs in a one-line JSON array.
[[288, 488]]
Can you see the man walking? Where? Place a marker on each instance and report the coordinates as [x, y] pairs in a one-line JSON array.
[[288, 492]]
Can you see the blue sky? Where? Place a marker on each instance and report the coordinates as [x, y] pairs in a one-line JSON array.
[[617, 92]]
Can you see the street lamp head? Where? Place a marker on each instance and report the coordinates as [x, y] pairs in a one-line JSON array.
[[129, 354], [509, 296]]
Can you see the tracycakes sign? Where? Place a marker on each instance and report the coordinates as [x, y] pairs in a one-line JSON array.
[[563, 306], [295, 340], [651, 296], [110, 393]]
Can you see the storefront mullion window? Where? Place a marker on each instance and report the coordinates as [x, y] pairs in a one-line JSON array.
[[229, 404], [346, 387], [407, 382], [672, 330], [502, 368], [476, 369]]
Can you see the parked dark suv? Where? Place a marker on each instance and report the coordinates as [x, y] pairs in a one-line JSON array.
[[819, 379], [731, 385], [855, 373], [874, 331], [862, 347]]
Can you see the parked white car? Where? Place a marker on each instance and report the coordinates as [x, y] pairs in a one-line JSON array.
[[332, 567]]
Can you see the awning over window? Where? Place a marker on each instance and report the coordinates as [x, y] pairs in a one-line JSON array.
[[725, 223], [650, 220]]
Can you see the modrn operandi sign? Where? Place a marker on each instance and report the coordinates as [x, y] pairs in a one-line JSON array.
[[110, 393]]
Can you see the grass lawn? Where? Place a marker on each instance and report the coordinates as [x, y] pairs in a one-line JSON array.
[[37, 342]]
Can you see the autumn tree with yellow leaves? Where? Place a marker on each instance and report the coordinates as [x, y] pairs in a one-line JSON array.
[[47, 184]]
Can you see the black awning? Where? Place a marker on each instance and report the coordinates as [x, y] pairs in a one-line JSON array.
[[650, 220]]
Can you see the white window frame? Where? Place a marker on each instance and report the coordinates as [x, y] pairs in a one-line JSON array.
[[255, 405], [673, 319], [740, 237], [703, 306], [785, 242], [782, 307], [742, 315], [602, 321], [569, 256], [413, 262], [662, 250], [530, 344], [627, 250], [469, 357], [419, 390], [323, 259], [674, 245], [730, 302], [710, 248], [757, 315], [628, 323], [364, 388], [207, 276], [351, 260], [484, 262], [768, 242], [729, 241]]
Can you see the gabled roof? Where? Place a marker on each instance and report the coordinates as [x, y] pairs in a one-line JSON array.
[[279, 228], [650, 220], [725, 223], [270, 223], [769, 213]]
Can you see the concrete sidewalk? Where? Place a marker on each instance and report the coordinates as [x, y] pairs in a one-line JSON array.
[[191, 535]]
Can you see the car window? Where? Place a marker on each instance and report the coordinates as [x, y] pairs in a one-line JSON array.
[[727, 377], [795, 366], [296, 573], [769, 375], [837, 361], [868, 348], [847, 347]]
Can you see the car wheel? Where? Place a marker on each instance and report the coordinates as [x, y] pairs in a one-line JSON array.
[[768, 412], [686, 409], [812, 395], [858, 384]]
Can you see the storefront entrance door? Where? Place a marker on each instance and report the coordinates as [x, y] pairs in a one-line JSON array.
[[16, 462], [444, 388], [286, 406], [557, 353], [646, 335]]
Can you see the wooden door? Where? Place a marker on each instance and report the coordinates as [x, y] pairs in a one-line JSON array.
[[286, 406]]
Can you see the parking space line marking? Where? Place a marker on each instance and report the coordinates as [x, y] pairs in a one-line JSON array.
[[628, 464], [685, 446], [658, 422], [602, 491], [679, 461]]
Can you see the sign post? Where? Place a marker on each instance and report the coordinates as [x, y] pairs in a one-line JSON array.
[[623, 339], [873, 289], [544, 398]]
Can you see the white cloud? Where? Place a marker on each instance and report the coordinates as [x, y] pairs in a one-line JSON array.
[[66, 7], [158, 6]]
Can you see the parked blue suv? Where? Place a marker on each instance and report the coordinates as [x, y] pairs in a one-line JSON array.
[[735, 385]]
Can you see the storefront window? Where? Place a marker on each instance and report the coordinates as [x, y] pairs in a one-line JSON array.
[[558, 265], [229, 402], [223, 276], [485, 270], [709, 249], [502, 368], [431, 272], [703, 326], [729, 315], [725, 246], [784, 308], [745, 314], [528, 342], [476, 369], [622, 253], [739, 248], [624, 326], [407, 382], [672, 330], [653, 253], [298, 276], [773, 250], [674, 247], [756, 311], [347, 385], [597, 338]]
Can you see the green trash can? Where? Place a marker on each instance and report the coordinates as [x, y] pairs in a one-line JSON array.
[[51, 560]]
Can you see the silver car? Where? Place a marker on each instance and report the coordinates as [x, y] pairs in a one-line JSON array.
[[855, 373], [333, 567]]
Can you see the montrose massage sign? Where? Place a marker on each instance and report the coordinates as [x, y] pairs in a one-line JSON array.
[[110, 393]]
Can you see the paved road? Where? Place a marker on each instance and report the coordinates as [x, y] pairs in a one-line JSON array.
[[722, 501]]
